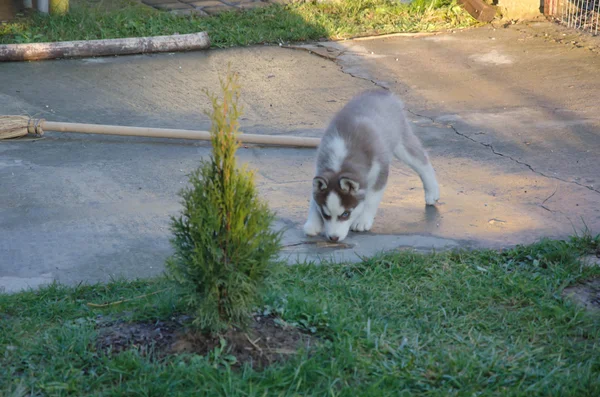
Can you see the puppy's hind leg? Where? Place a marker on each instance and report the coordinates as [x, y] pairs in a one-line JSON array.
[[314, 223], [410, 151]]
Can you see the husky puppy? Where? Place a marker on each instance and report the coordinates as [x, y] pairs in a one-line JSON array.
[[353, 161]]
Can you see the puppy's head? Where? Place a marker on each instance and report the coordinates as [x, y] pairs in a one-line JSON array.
[[340, 200]]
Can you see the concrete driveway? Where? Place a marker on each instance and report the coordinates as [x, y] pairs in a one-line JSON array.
[[509, 116]]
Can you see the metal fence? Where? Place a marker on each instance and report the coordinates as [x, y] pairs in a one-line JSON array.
[[577, 14]]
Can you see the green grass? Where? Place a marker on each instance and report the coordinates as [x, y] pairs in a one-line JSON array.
[[449, 324], [274, 24]]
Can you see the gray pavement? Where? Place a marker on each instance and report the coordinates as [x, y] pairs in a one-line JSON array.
[[509, 117]]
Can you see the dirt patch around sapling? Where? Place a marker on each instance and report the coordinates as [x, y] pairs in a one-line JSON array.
[[149, 337], [266, 341]]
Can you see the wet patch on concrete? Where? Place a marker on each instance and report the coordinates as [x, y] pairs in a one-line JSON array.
[[299, 249], [493, 57], [317, 244]]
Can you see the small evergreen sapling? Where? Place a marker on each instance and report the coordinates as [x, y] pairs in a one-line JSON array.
[[224, 245]]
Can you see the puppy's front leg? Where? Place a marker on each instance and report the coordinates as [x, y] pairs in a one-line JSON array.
[[364, 222], [314, 223]]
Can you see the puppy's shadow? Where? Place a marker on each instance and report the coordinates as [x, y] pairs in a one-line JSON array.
[[432, 215]]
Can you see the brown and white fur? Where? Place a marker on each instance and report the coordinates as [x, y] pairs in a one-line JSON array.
[[353, 162]]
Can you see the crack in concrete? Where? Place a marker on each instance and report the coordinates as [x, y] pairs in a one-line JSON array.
[[491, 147], [375, 83], [335, 60]]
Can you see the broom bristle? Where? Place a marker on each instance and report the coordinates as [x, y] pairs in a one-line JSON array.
[[13, 126]]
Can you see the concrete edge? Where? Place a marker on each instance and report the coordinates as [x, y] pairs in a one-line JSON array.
[[148, 45], [400, 34], [305, 45]]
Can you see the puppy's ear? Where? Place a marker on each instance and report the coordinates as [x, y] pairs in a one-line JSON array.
[[349, 186], [319, 184]]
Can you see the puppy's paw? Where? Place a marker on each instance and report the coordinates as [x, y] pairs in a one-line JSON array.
[[312, 228], [432, 195], [362, 224]]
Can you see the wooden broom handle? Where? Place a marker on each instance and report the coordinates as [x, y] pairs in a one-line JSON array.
[[37, 126]]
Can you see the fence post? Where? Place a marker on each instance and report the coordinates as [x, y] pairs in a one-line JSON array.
[[550, 7]]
